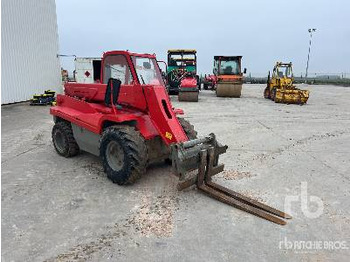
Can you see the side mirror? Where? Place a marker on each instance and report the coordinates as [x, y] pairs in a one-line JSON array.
[[245, 71]]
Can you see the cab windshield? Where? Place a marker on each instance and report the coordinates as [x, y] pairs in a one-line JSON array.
[[230, 67], [186, 59], [147, 70], [284, 71]]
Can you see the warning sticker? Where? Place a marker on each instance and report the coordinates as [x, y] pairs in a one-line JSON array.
[[168, 135]]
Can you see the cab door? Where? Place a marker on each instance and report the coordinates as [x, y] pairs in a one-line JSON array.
[[131, 93]]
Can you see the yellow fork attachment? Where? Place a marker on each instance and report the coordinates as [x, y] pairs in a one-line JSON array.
[[203, 154]]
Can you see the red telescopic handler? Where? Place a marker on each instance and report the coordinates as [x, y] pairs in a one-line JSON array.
[[127, 119]]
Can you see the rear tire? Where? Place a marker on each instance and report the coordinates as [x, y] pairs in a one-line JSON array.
[[267, 93], [63, 139], [124, 154]]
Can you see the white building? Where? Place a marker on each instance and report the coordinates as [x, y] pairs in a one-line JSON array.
[[29, 48]]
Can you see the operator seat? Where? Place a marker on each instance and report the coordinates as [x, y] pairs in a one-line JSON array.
[[228, 70], [113, 86]]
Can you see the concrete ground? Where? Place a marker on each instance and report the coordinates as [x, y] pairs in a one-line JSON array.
[[58, 209]]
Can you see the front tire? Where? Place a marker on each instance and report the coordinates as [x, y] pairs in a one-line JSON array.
[[124, 154], [63, 139], [273, 94], [267, 93], [190, 132]]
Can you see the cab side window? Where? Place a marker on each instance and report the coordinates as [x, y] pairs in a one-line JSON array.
[[116, 66]]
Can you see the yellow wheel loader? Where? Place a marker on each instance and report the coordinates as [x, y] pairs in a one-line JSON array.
[[280, 87]]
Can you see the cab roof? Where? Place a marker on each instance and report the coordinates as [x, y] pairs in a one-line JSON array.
[[226, 57], [127, 53], [182, 51], [283, 64]]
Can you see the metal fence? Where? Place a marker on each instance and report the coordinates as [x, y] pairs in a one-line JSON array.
[[313, 78]]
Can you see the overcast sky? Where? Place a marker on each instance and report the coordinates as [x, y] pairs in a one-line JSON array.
[[261, 31]]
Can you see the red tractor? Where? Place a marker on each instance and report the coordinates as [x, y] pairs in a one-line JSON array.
[[129, 122], [209, 82]]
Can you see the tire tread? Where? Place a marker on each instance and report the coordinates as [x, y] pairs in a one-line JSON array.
[[135, 148]]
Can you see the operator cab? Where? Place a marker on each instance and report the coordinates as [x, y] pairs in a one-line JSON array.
[[183, 58], [131, 68], [283, 71], [227, 65]]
